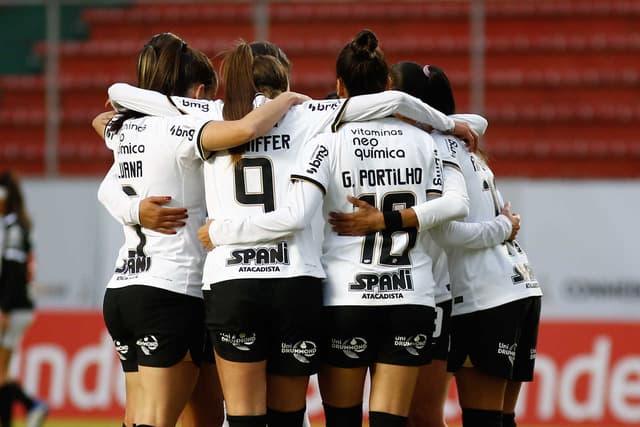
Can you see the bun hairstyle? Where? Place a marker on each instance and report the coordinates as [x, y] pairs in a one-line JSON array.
[[361, 65], [429, 83]]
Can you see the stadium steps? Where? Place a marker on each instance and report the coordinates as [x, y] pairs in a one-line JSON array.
[[562, 77]]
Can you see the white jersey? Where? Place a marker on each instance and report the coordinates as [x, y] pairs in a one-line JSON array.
[[258, 183], [483, 278], [437, 254], [388, 164], [158, 156]]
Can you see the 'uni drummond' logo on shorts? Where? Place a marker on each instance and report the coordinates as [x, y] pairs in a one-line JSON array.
[[508, 350], [350, 347], [302, 350], [413, 344], [242, 341], [148, 344], [121, 349]]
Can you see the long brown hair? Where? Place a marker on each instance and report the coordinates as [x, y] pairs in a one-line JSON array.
[[14, 203], [247, 70], [168, 65]]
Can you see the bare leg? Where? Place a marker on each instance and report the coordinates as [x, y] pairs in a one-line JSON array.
[[392, 388], [341, 387], [287, 393], [478, 390], [205, 407], [133, 394], [430, 395], [244, 385], [165, 391]]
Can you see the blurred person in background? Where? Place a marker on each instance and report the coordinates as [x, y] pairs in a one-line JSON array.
[[16, 306]]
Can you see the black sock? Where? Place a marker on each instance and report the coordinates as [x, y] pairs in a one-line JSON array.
[[481, 418], [509, 420], [247, 420], [6, 403], [21, 396], [384, 419], [343, 417], [285, 419]]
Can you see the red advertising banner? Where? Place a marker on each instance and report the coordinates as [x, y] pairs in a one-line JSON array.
[[587, 373]]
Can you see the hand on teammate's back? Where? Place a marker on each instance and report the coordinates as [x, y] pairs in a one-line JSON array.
[[155, 216], [366, 219], [514, 218], [203, 236]]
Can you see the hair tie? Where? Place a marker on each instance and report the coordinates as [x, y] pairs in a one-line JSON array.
[[426, 71]]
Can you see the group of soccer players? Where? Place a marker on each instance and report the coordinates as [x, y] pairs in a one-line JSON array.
[[295, 281]]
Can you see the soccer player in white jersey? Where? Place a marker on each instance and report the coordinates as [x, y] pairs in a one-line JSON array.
[[496, 298], [273, 155], [379, 289], [153, 305]]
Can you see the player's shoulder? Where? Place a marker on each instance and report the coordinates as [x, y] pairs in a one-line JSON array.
[[199, 107], [318, 106]]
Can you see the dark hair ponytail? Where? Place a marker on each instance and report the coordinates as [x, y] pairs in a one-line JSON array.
[[239, 88], [361, 65], [429, 83]]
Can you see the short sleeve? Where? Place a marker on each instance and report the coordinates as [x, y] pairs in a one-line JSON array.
[[435, 180], [448, 148], [203, 108], [183, 134], [314, 162]]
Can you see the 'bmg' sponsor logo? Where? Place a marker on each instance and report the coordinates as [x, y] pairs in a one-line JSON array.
[[320, 153]]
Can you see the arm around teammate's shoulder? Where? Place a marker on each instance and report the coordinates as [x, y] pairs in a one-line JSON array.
[[223, 135]]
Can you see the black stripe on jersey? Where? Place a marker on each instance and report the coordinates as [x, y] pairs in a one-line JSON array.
[[451, 164], [312, 181], [174, 104], [338, 120], [433, 194], [202, 151]]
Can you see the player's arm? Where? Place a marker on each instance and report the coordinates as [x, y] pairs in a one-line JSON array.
[[373, 106], [303, 201], [478, 123], [478, 235], [222, 135], [453, 204], [126, 97]]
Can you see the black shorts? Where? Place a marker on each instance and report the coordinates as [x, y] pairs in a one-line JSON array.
[[358, 336], [442, 331], [500, 341], [277, 320], [154, 327]]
